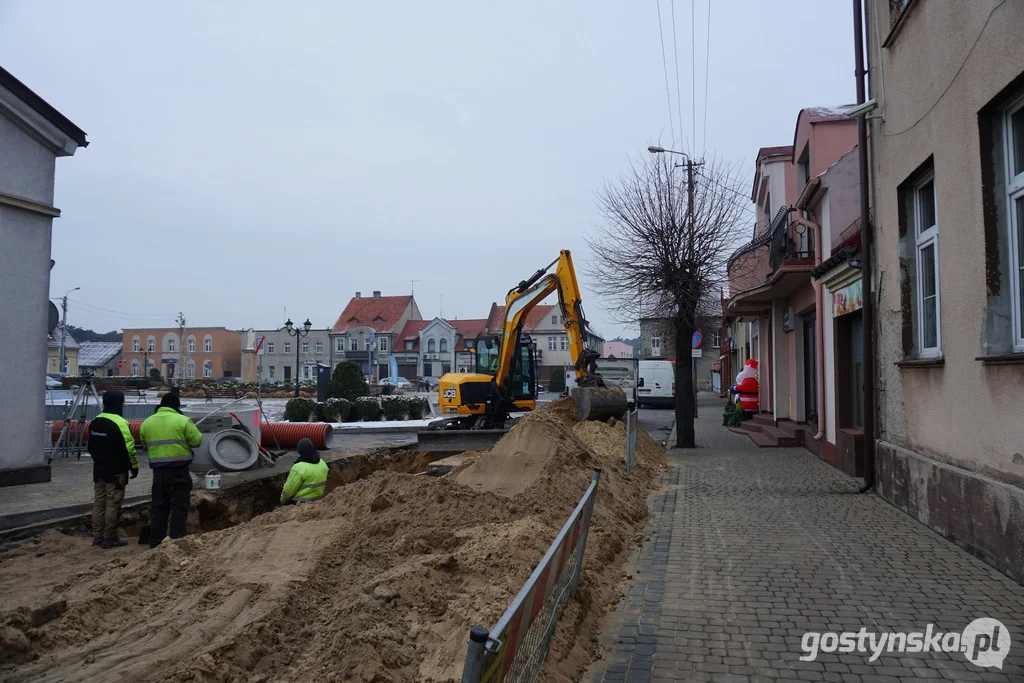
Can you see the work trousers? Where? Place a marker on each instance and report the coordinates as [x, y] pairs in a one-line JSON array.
[[106, 507], [172, 490]]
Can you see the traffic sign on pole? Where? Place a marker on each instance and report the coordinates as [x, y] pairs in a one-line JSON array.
[[120, 363], [259, 344], [696, 340]]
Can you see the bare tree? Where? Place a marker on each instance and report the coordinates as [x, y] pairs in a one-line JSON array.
[[651, 261]]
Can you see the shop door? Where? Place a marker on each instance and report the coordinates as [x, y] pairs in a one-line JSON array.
[[856, 368]]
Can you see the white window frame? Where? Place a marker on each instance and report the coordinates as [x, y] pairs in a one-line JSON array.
[[272, 368], [656, 344], [339, 345], [554, 320], [208, 344], [924, 237], [442, 345], [305, 346], [1015, 224], [382, 343], [191, 344], [190, 369], [151, 345], [208, 369], [564, 341], [353, 344], [136, 345], [270, 347], [552, 343], [319, 346], [287, 347], [135, 368], [431, 346], [172, 346]]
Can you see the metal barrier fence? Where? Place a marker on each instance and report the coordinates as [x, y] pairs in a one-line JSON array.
[[632, 430], [515, 649]]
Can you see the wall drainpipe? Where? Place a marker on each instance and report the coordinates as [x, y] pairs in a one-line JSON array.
[[866, 257]]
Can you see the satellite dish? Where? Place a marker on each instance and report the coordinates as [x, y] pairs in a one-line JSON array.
[[54, 318]]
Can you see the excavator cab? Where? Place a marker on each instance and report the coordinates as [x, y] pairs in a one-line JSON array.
[[523, 380]]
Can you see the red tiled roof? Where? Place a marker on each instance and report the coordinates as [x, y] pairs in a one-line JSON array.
[[778, 151], [467, 329], [411, 331], [380, 313], [497, 318]]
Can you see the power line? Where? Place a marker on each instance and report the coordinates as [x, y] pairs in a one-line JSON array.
[[707, 69], [693, 72], [675, 50], [131, 315], [664, 66]]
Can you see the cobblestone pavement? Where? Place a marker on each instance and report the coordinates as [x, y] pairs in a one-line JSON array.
[[751, 548]]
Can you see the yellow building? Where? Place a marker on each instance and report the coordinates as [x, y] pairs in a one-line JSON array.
[[70, 353]]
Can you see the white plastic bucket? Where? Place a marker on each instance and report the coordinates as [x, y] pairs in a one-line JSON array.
[[213, 480]]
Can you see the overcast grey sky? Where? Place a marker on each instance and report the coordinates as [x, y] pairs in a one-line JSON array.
[[247, 156]]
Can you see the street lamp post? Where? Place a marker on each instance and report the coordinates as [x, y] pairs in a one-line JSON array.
[[298, 333], [64, 329], [690, 256]]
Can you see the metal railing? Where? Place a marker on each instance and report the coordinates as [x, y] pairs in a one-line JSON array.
[[788, 242], [515, 649]]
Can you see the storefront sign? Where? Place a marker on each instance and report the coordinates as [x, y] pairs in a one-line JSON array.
[[847, 300]]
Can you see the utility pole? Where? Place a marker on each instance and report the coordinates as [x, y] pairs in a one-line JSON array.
[[689, 214], [184, 347], [63, 332]]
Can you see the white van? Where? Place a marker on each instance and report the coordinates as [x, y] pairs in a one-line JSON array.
[[657, 383]]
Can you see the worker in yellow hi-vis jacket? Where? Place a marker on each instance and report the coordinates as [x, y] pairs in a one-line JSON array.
[[307, 480]]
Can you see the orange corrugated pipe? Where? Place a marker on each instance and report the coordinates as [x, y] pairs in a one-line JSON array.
[[288, 434], [133, 425]]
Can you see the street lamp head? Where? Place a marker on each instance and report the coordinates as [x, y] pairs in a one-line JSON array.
[[307, 325], [288, 325], [654, 149]]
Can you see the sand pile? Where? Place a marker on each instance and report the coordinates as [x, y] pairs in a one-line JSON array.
[[378, 582]]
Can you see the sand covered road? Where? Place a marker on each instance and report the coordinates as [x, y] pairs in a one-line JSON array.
[[380, 581]]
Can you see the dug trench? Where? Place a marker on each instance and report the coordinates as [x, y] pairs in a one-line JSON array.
[[380, 581]]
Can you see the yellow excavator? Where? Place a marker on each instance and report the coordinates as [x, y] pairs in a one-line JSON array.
[[477, 406]]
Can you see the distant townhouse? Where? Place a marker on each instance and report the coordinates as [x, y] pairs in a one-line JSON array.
[[278, 361], [100, 358], [545, 328], [205, 353], [432, 348], [369, 328], [71, 349], [617, 349]]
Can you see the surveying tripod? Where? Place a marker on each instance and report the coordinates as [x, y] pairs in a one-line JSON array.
[[72, 435]]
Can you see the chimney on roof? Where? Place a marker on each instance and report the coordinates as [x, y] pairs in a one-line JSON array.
[[376, 294], [358, 294]]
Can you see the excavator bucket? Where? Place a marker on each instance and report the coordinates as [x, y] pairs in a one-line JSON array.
[[599, 403], [455, 440]]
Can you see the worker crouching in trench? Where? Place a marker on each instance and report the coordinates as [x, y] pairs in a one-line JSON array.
[[307, 480]]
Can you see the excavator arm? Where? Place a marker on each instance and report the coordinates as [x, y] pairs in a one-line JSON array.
[[523, 298]]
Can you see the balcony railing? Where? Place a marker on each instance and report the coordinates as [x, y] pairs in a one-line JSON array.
[[788, 242]]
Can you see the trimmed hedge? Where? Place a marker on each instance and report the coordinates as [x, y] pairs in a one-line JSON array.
[[367, 409], [337, 409], [299, 409]]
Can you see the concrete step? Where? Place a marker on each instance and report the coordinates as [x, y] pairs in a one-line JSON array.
[[764, 440], [752, 426], [763, 419], [782, 437]]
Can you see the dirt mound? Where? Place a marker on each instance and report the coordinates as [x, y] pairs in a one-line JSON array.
[[378, 582]]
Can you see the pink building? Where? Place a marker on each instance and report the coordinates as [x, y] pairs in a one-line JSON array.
[[615, 349], [806, 197]]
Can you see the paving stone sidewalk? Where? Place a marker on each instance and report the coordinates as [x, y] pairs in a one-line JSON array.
[[751, 548]]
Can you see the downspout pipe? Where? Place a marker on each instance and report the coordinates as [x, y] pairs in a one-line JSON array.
[[819, 324], [866, 255]]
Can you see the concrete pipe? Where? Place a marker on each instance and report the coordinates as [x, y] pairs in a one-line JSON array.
[[288, 434]]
